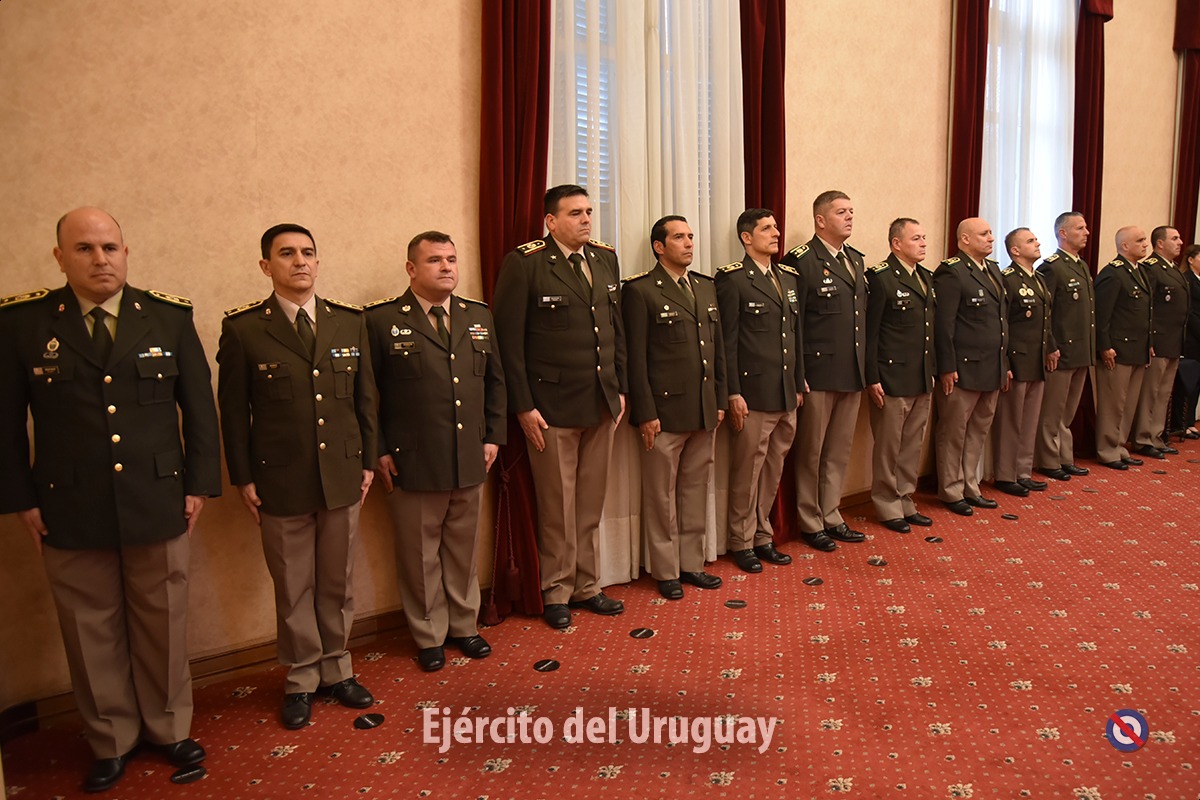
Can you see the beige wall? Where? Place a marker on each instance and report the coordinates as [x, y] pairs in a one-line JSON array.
[[200, 124]]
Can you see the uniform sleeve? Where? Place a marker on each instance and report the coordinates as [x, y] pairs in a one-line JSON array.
[[510, 305], [17, 491], [875, 309], [727, 303], [719, 368], [377, 367], [201, 432], [1108, 287], [495, 396], [233, 397], [945, 317], [637, 326], [620, 350], [366, 398]]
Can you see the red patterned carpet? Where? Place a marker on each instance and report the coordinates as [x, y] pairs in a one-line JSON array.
[[984, 665]]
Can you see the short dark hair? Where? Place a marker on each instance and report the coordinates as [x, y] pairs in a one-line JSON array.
[[897, 227], [747, 221], [1062, 218], [1011, 237], [825, 198], [658, 231], [433, 237], [556, 194], [268, 237], [1190, 252], [1159, 234]]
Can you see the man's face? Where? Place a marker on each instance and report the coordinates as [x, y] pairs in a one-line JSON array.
[[763, 241], [1172, 246], [92, 254], [1074, 233], [977, 240], [676, 250], [572, 223], [293, 264], [1136, 245], [910, 244], [837, 220], [1026, 247], [433, 270]]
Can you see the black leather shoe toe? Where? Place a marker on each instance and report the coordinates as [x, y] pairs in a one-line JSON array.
[[471, 646], [843, 533], [918, 519], [105, 773], [961, 507], [819, 541], [600, 604], [672, 590], [897, 525], [1071, 469], [981, 502], [186, 753], [349, 693], [1168, 450], [296, 711], [1055, 473], [431, 659], [746, 560], [769, 554], [1114, 464], [557, 616], [1011, 487], [1130, 461], [1150, 451], [701, 579], [1032, 485]]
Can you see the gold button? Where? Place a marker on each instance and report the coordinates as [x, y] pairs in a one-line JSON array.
[[597, 369], [118, 467], [459, 426], [316, 373], [452, 356], [458, 402], [116, 437], [702, 343], [321, 446], [704, 361], [321, 421], [405, 353], [49, 380], [596, 330], [349, 369], [108, 378], [159, 376], [319, 397], [785, 334], [112, 409], [456, 379]]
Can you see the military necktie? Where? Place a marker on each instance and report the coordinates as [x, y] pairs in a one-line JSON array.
[[846, 265], [443, 332], [687, 291], [577, 264], [101, 338], [304, 330], [775, 281]]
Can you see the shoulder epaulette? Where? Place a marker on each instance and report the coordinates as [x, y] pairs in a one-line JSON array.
[[1008, 271], [788, 270], [1053, 257], [24, 297], [342, 304], [635, 276], [731, 267], [701, 275], [472, 300], [235, 311], [953, 260], [1116, 262], [852, 247], [382, 302], [880, 267], [173, 299], [602, 245], [532, 247], [798, 251]]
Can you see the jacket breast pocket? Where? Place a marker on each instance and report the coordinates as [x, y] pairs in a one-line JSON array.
[[51, 376], [483, 351], [754, 317], [272, 383], [156, 379], [552, 312], [670, 329], [404, 359], [345, 371]]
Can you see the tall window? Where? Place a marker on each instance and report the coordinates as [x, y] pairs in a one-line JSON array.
[[647, 115], [1028, 118]]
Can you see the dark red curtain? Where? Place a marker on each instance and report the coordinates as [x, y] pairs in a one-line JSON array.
[[966, 114], [1187, 179], [514, 137], [1088, 170], [764, 32]]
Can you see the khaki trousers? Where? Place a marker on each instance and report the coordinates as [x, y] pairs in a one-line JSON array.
[[123, 615], [1117, 391], [569, 479], [899, 431], [435, 559], [755, 466], [1015, 432], [1060, 401], [824, 435], [675, 477], [964, 419], [1150, 419], [311, 560]]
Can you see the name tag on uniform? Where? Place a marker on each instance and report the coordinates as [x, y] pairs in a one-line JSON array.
[[552, 300], [479, 332], [343, 352], [668, 314], [155, 352], [269, 366], [827, 291], [755, 307], [51, 370]]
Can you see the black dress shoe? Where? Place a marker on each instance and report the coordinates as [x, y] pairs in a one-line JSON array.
[[1130, 461], [701, 579], [1055, 473], [961, 507], [1011, 487], [1114, 464], [471, 646], [918, 519], [557, 616], [296, 711], [897, 525], [105, 773], [819, 541], [1032, 485], [187, 753], [1071, 469], [672, 590], [600, 604], [349, 693], [1190, 434], [1168, 450], [746, 560], [842, 533], [981, 502], [432, 659], [1150, 451], [768, 553]]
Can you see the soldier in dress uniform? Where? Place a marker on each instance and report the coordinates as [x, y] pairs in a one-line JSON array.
[[1123, 295], [1169, 306], [677, 398], [442, 421], [900, 370], [112, 374], [971, 337], [558, 321], [833, 310], [764, 372], [1073, 324], [1032, 353], [298, 414]]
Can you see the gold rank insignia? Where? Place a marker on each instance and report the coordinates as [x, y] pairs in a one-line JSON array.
[[473, 300], [880, 267], [343, 304], [953, 260], [602, 245], [384, 301], [235, 311], [787, 269], [173, 299], [24, 297], [636, 276], [798, 251], [731, 267], [529, 248], [1008, 271]]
